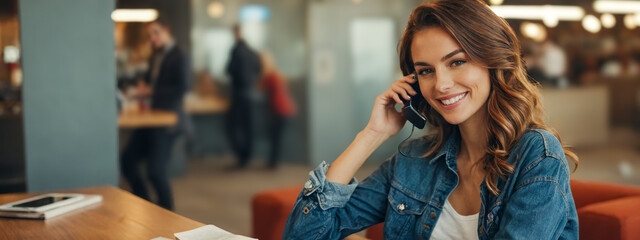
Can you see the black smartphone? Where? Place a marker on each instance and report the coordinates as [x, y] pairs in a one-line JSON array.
[[411, 107]]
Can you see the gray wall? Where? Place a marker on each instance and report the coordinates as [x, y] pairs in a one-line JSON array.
[[69, 93], [339, 107]]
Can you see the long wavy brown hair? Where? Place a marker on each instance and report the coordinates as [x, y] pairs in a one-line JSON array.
[[514, 101]]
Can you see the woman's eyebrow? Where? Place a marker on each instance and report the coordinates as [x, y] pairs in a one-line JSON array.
[[449, 55]]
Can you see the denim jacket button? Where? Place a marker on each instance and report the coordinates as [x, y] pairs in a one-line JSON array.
[[308, 185], [401, 207], [427, 226], [433, 215], [481, 229]]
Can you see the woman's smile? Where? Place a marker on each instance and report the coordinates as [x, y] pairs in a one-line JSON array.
[[452, 101]]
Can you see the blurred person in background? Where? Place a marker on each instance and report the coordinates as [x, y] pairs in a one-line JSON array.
[[590, 74], [620, 64], [165, 83], [530, 56], [244, 69], [490, 168], [553, 63], [281, 106]]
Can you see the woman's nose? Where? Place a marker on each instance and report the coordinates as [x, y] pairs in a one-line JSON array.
[[444, 81]]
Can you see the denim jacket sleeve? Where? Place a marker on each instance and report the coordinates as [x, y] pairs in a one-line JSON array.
[[327, 210], [541, 205]]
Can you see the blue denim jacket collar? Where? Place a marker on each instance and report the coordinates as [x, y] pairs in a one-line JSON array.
[[449, 150]]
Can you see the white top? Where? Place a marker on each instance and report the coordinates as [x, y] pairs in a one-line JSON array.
[[452, 225]]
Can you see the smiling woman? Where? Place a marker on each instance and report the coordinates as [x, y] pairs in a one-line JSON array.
[[489, 168]]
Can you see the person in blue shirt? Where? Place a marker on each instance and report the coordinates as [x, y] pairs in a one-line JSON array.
[[490, 168]]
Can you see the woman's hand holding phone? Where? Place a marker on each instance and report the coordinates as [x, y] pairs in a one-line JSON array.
[[385, 122], [385, 119]]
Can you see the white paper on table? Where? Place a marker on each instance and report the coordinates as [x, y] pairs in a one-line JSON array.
[[209, 232]]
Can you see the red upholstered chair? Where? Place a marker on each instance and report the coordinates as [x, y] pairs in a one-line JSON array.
[[270, 210], [605, 211]]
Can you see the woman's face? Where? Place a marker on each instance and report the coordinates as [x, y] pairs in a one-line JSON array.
[[453, 85]]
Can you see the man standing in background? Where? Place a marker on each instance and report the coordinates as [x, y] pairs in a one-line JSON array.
[[165, 84], [244, 69]]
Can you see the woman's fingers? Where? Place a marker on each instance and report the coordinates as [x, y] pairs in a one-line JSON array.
[[396, 97], [401, 89], [409, 79]]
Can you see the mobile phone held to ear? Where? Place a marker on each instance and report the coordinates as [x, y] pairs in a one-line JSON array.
[[411, 107]]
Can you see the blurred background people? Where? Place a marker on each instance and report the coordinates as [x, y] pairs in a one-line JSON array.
[[165, 85], [244, 69], [281, 105], [553, 63]]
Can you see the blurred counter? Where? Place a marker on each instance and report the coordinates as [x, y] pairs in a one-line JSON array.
[[195, 104], [151, 118], [580, 115]]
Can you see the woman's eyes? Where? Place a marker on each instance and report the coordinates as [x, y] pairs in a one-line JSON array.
[[456, 63], [425, 71]]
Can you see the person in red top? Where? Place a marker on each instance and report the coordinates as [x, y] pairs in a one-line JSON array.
[[281, 106]]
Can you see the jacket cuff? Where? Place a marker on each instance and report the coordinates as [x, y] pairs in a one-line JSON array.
[[329, 194]]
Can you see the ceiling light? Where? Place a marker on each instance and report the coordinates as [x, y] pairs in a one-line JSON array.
[[619, 7], [254, 13], [565, 13], [11, 54], [535, 31], [215, 9], [591, 24], [134, 15], [608, 20], [550, 21], [630, 21], [496, 2]]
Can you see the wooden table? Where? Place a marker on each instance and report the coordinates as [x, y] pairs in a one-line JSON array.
[[195, 104], [120, 215], [151, 118]]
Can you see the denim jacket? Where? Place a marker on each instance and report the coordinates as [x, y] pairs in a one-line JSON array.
[[408, 194]]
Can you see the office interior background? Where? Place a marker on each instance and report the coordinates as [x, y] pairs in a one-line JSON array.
[[64, 64]]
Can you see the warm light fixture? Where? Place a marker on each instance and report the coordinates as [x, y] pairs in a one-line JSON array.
[[134, 15], [608, 20], [566, 13], [550, 21], [591, 24], [215, 9], [619, 7], [630, 21], [535, 31], [11, 54], [496, 2]]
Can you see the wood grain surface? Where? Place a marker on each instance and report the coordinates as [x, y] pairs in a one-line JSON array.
[[152, 118], [120, 215]]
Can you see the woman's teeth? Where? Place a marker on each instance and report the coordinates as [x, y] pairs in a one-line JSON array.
[[453, 100]]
